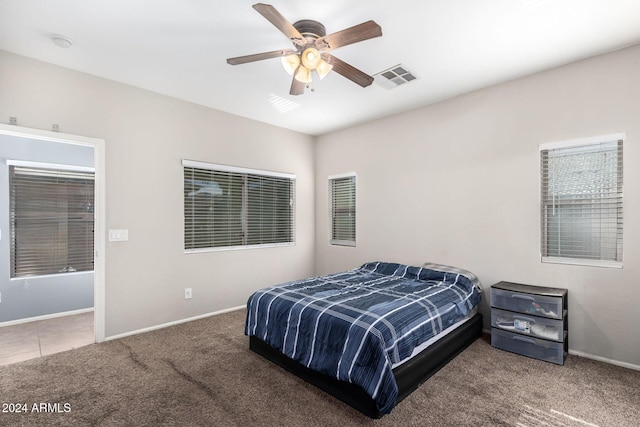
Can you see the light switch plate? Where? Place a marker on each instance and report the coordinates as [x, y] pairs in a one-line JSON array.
[[118, 235]]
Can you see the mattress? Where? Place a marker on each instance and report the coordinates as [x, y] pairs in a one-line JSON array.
[[428, 343]]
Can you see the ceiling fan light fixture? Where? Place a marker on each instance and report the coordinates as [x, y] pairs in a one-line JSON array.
[[311, 58], [323, 69], [311, 44], [290, 63], [303, 74]]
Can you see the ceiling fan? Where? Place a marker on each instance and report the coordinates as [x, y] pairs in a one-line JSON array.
[[311, 49]]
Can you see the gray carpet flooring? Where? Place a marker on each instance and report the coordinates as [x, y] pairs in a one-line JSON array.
[[202, 374]]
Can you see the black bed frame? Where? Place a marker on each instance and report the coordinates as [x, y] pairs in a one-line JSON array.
[[409, 376]]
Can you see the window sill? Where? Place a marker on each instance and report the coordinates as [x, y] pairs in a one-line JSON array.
[[583, 262], [46, 276], [343, 243], [237, 248]]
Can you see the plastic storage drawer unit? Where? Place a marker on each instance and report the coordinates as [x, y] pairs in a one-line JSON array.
[[539, 327], [530, 320], [539, 305]]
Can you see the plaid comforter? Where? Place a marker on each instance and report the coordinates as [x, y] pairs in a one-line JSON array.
[[356, 324]]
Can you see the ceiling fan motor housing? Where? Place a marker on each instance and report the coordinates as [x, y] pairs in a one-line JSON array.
[[310, 29]]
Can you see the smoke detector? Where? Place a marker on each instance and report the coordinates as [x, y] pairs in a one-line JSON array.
[[61, 41]]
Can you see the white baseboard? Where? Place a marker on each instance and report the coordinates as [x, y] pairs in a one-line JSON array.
[[175, 322], [605, 360], [45, 317]]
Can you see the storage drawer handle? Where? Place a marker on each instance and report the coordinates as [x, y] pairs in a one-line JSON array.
[[527, 297], [528, 319], [525, 339]]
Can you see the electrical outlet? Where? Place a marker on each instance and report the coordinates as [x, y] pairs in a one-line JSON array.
[[187, 293]]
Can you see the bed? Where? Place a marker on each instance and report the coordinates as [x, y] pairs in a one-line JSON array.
[[368, 336]]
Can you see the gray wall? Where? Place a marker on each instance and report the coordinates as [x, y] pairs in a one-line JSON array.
[[38, 296], [458, 183], [146, 137]]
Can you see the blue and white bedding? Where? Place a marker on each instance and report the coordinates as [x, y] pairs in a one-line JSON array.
[[355, 325]]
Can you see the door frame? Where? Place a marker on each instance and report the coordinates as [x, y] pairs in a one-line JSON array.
[[100, 197]]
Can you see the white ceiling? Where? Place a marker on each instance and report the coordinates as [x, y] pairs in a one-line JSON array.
[[179, 48]]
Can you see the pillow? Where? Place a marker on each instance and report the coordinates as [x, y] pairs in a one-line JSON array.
[[448, 269]]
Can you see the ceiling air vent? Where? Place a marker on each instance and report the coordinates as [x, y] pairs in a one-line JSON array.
[[394, 77]]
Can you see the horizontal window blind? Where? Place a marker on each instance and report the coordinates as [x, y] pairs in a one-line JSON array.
[[226, 207], [581, 201], [52, 221], [342, 205]]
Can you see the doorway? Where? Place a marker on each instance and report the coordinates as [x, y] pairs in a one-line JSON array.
[[12, 132]]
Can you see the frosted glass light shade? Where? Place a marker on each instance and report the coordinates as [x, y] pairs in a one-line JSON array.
[[303, 75], [290, 63], [311, 58], [323, 69]]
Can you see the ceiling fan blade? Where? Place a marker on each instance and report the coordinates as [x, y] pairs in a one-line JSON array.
[[297, 87], [348, 71], [366, 30], [272, 15], [260, 56]]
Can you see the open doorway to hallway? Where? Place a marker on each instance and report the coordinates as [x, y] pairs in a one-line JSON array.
[[51, 296]]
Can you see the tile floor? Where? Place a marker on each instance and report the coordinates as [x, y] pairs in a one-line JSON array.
[[35, 339]]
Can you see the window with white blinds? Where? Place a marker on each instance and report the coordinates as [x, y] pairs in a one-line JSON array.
[[581, 201], [227, 207], [342, 209], [52, 220]]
